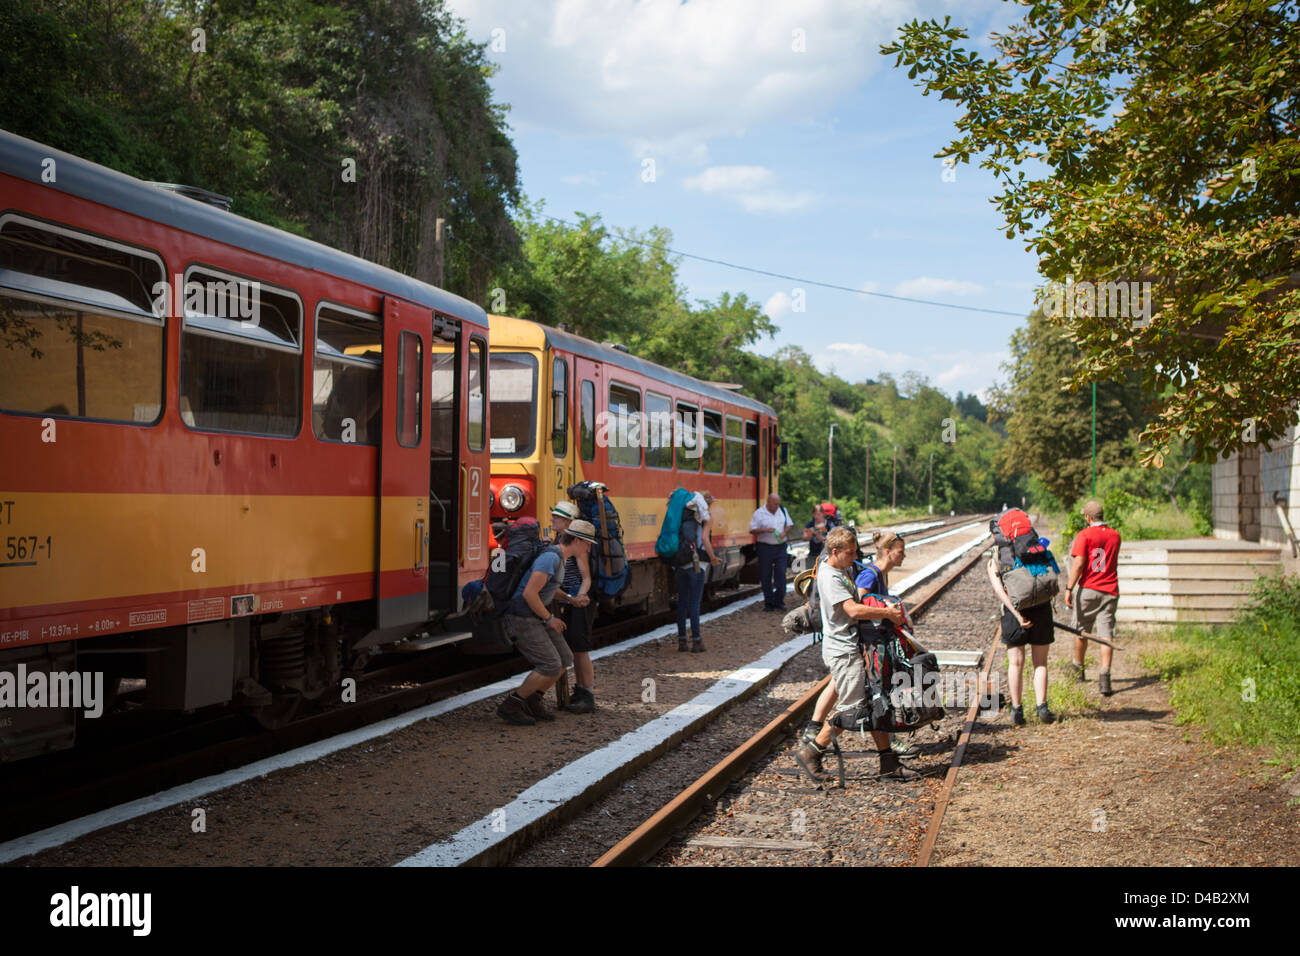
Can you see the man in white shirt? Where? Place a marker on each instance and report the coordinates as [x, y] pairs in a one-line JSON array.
[[771, 526]]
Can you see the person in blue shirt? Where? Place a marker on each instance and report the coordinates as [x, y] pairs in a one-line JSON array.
[[538, 633]]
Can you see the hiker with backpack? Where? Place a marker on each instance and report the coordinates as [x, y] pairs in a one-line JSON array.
[[578, 613], [823, 523], [771, 526], [1094, 560], [694, 549], [842, 652], [1024, 578], [538, 633]]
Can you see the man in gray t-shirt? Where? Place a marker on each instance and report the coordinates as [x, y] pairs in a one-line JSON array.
[[841, 613]]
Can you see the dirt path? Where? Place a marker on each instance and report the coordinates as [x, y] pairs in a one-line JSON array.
[[1117, 784]]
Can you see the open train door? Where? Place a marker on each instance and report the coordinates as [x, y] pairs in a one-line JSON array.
[[402, 583]]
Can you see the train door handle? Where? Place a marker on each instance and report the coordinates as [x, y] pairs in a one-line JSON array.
[[422, 543]]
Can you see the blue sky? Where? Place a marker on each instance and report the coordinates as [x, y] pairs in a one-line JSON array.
[[815, 163]]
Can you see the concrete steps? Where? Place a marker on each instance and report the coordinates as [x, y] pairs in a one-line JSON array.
[[1200, 580]]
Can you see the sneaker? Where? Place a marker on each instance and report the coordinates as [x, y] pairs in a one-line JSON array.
[[682, 645], [1045, 715], [1074, 671], [513, 710], [892, 768], [1103, 683], [583, 701], [697, 646], [537, 707], [809, 756], [902, 748], [1018, 716]]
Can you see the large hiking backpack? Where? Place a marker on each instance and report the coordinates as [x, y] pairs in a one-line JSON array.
[[670, 531], [902, 683], [1027, 569], [687, 550], [608, 558], [523, 546]]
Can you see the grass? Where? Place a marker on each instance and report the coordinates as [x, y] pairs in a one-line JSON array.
[[1065, 697], [1240, 683]]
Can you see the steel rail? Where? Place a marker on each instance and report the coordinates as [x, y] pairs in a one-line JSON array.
[[646, 840]]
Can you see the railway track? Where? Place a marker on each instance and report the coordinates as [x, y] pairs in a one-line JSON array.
[[776, 817]]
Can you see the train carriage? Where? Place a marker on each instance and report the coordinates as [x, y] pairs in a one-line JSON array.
[[231, 460], [566, 409]]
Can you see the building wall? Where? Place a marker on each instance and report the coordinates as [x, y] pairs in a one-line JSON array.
[[1243, 487]]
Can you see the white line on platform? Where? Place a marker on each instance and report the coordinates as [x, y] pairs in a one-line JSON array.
[[574, 779], [73, 829]]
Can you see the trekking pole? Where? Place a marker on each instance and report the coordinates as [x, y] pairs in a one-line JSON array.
[[1086, 636]]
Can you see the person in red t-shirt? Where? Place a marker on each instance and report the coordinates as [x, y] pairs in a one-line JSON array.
[[1094, 554]]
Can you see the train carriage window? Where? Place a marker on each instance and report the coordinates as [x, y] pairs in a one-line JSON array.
[[241, 355], [560, 408], [623, 425], [735, 447], [476, 427], [688, 426], [659, 431], [347, 376], [81, 334], [588, 422], [751, 449], [443, 358], [410, 381], [711, 457], [514, 403]]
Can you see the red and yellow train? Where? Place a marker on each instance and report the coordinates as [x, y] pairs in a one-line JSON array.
[[232, 459], [566, 409]]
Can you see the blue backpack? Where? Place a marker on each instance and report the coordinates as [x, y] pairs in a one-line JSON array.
[[670, 533], [609, 569]]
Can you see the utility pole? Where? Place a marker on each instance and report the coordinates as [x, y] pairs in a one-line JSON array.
[[830, 464], [1094, 439], [931, 482], [894, 505]]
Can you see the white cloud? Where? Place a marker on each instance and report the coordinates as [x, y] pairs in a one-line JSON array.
[[671, 75], [971, 372], [744, 185], [778, 306], [927, 288]]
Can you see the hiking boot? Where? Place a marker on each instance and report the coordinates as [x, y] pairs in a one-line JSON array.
[[892, 767], [537, 707], [1018, 716], [902, 748], [1074, 671], [513, 710], [697, 646], [1103, 683], [810, 732], [682, 645], [1045, 715], [809, 756], [583, 702]]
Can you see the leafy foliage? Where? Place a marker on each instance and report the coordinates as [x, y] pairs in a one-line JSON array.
[[1168, 132]]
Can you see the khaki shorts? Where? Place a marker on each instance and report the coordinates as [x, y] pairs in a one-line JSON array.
[[1094, 611], [542, 647], [849, 675]]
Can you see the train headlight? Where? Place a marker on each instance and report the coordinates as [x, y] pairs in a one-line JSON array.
[[512, 498]]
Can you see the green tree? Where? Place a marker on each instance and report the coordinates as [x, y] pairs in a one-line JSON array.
[[1168, 136]]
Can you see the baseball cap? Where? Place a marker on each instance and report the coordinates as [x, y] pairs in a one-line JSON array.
[[582, 529], [565, 509]]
